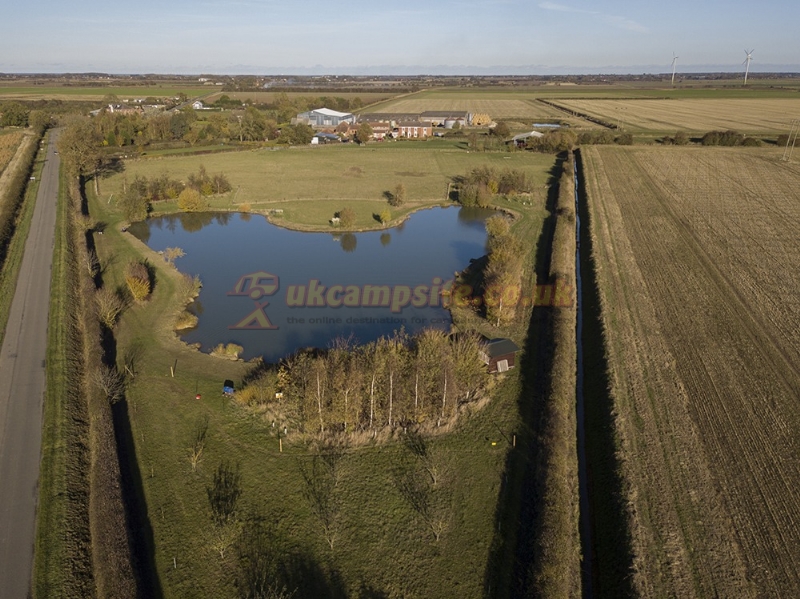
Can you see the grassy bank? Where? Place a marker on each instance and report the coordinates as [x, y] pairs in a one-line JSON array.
[[63, 555], [382, 545], [556, 570]]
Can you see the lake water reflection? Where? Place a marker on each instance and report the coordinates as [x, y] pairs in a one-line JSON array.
[[273, 291]]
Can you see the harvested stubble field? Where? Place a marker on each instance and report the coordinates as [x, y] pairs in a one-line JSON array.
[[268, 97], [770, 115], [496, 107], [696, 253], [509, 105]]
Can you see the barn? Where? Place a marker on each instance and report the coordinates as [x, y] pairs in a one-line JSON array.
[[499, 355], [325, 117]]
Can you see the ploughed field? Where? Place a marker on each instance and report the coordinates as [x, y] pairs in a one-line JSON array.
[[696, 253], [765, 115]]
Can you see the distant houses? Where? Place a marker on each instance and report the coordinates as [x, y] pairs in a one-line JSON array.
[[414, 130], [388, 124]]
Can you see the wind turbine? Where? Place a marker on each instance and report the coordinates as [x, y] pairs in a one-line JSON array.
[[674, 62], [747, 63]]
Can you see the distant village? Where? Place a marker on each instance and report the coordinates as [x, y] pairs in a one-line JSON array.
[[332, 125]]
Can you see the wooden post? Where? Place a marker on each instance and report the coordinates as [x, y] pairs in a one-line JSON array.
[[280, 444], [514, 441]]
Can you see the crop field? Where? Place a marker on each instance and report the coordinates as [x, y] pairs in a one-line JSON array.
[[9, 142], [89, 94], [496, 107], [696, 257], [267, 97], [748, 115]]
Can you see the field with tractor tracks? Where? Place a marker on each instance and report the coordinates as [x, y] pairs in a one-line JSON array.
[[748, 115], [696, 259]]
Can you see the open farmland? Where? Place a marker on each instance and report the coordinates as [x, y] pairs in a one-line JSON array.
[[696, 257], [95, 94], [693, 114], [499, 105], [268, 97]]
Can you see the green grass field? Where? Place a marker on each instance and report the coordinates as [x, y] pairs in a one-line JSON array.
[[346, 175], [382, 547]]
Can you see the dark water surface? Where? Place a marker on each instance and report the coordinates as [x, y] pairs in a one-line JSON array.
[[274, 291]]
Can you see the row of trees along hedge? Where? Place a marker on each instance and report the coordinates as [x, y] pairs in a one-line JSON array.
[[138, 196], [395, 381], [112, 560], [11, 202], [729, 138], [282, 107], [481, 184], [250, 124], [503, 269]]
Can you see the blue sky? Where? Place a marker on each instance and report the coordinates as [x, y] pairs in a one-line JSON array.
[[272, 36]]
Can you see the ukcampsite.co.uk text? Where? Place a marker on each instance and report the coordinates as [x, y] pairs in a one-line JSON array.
[[397, 297]]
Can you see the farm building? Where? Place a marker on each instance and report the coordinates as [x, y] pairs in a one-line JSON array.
[[325, 138], [388, 117], [325, 117], [414, 130], [499, 354], [446, 119], [380, 130], [521, 139]]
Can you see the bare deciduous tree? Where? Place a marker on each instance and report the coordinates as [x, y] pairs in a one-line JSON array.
[[198, 442], [224, 536], [110, 305], [110, 381]]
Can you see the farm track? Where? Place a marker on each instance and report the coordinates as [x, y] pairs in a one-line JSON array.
[[696, 257]]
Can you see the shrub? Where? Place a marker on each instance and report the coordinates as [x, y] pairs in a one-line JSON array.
[[751, 142], [398, 198], [347, 217], [626, 139], [723, 138], [230, 351], [190, 200], [109, 306], [137, 278], [186, 320], [385, 215]]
